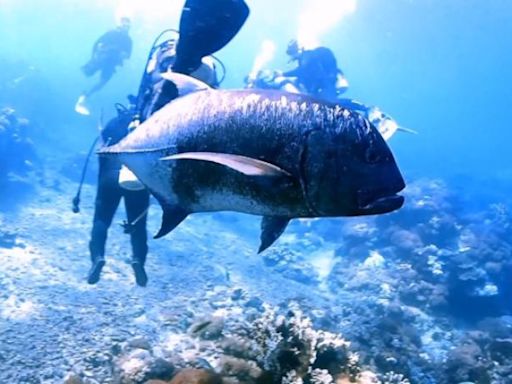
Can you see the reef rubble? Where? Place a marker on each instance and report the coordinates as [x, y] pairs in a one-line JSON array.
[[418, 296]]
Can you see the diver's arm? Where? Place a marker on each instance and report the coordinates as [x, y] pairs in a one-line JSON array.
[[125, 49], [97, 43], [100, 42], [128, 52], [304, 68], [293, 72], [96, 46]]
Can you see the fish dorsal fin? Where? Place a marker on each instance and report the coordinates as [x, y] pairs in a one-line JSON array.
[[271, 229], [246, 165], [185, 84]]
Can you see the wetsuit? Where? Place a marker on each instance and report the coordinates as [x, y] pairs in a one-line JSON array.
[[317, 72], [109, 51], [108, 197], [109, 192], [153, 95]]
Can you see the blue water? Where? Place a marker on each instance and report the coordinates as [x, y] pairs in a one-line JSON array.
[[442, 68]]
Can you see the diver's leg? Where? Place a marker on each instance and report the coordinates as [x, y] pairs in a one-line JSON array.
[[328, 92], [137, 203], [108, 196], [89, 69], [106, 74]]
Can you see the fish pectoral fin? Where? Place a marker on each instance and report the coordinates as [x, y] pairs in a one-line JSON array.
[[172, 216], [246, 165], [271, 228]]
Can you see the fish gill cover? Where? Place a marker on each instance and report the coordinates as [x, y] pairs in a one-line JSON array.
[[420, 295]]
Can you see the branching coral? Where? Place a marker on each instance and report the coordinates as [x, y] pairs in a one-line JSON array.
[[295, 352], [394, 378]]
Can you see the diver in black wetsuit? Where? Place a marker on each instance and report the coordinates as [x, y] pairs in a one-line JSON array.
[[317, 71], [200, 36], [109, 52], [109, 192], [108, 197], [155, 92]]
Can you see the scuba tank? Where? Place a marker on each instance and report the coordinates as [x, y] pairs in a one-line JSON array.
[[341, 83], [161, 58], [127, 179]]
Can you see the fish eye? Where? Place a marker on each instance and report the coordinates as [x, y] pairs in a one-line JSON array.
[[371, 156]]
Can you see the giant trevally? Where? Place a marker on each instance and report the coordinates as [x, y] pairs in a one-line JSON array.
[[263, 152]]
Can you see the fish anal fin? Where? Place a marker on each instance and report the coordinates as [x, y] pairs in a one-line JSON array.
[[172, 217], [243, 164], [271, 228]]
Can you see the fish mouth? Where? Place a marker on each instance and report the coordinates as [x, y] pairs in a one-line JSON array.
[[372, 203], [384, 205]]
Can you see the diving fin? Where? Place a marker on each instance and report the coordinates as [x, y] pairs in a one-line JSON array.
[[205, 28], [80, 106], [271, 228], [172, 217], [246, 165]]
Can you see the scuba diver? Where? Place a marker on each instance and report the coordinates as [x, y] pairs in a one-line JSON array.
[[165, 58], [189, 55], [318, 75], [108, 197], [317, 71], [116, 181], [155, 88], [108, 52]]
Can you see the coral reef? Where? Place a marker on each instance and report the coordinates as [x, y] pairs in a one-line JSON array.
[[423, 296], [17, 151], [260, 348]]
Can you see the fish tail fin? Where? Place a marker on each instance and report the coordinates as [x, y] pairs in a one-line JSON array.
[[200, 34]]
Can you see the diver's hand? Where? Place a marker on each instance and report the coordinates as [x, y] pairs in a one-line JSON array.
[[249, 81]]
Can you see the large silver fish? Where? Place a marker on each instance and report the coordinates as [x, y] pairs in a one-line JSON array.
[[262, 152]]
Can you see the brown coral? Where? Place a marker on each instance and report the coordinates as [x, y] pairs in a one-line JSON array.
[[196, 376]]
